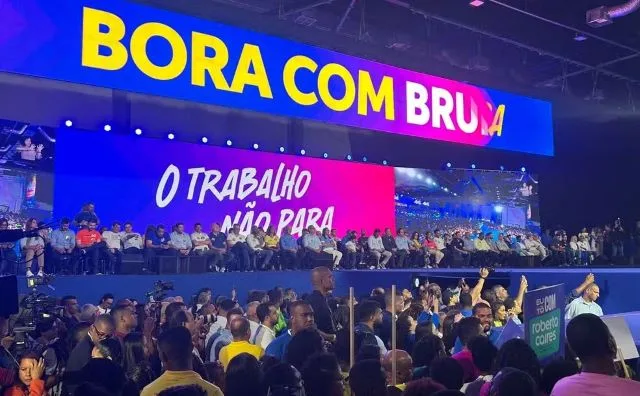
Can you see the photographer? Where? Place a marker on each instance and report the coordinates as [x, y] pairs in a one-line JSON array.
[[30, 378]]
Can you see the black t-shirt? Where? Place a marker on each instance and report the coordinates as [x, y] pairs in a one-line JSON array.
[[218, 241], [322, 312], [457, 243], [389, 242]]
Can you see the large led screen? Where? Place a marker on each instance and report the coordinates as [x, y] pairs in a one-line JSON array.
[[150, 181]]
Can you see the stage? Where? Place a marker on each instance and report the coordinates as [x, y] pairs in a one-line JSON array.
[[616, 284]]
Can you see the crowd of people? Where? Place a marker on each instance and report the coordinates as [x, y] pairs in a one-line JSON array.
[[96, 249], [277, 342]]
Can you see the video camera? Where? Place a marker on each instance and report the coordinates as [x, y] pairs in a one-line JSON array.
[[159, 291]]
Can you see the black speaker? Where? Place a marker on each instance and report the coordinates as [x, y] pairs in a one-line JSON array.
[[8, 295]]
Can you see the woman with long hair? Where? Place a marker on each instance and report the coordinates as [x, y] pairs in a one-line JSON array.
[[33, 248], [136, 361]]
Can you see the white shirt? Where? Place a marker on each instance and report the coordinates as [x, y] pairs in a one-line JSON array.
[[254, 243], [112, 239], [220, 323], [103, 311], [232, 238], [439, 243], [199, 237], [134, 242], [375, 243], [263, 337]]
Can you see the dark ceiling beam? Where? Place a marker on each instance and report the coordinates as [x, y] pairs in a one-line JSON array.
[[564, 26], [306, 6], [515, 43], [587, 69], [345, 15]]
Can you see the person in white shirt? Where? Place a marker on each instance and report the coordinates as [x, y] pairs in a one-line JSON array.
[[237, 245], [260, 257], [33, 248], [132, 242], [376, 247], [113, 239], [268, 317], [329, 245]]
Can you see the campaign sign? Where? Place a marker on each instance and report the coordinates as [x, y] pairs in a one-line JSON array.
[[544, 321]]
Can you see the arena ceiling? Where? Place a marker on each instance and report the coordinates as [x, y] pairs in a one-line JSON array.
[[545, 45]]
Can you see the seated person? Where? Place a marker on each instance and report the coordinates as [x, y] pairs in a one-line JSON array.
[[89, 243], [131, 241], [330, 246], [236, 243], [431, 249], [218, 248], [180, 241], [33, 247], [313, 245], [402, 247], [376, 247], [260, 256], [157, 244], [350, 244], [63, 241], [113, 240], [288, 250]]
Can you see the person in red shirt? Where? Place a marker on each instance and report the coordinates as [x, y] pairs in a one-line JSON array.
[[431, 248], [30, 376], [89, 244]]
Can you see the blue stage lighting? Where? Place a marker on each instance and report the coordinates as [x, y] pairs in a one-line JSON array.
[[281, 149], [325, 155], [229, 142], [498, 208], [364, 159], [138, 131], [171, 136], [107, 128], [473, 166], [349, 157], [384, 162], [523, 169], [205, 139], [448, 164], [68, 123], [303, 152], [501, 167], [256, 146]]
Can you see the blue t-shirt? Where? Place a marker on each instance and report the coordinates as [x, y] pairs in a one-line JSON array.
[[278, 347], [218, 241], [494, 335], [425, 317], [467, 313], [156, 240]]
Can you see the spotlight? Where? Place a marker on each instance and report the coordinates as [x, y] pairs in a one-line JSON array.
[[68, 123], [498, 208], [281, 149], [349, 157], [364, 159], [138, 131], [429, 180], [204, 139], [473, 166], [256, 146], [325, 155], [523, 169], [501, 167], [448, 164], [303, 152], [384, 162], [446, 189], [476, 3], [229, 142], [107, 128], [171, 136]]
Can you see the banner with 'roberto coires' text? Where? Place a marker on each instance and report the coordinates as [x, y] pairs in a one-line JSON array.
[[126, 46]]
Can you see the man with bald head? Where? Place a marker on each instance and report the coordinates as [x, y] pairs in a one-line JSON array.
[[323, 284], [404, 368], [585, 303], [241, 333]]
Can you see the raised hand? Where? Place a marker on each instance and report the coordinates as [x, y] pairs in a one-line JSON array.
[[37, 369], [484, 272]]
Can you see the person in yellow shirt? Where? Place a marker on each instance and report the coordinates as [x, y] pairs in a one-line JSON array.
[[175, 348], [241, 332]]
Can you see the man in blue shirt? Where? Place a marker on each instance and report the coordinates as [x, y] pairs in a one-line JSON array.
[[301, 318], [63, 241], [288, 249], [157, 244]]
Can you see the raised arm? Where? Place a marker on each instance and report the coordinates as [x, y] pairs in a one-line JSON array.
[[476, 292], [521, 291], [589, 279]]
